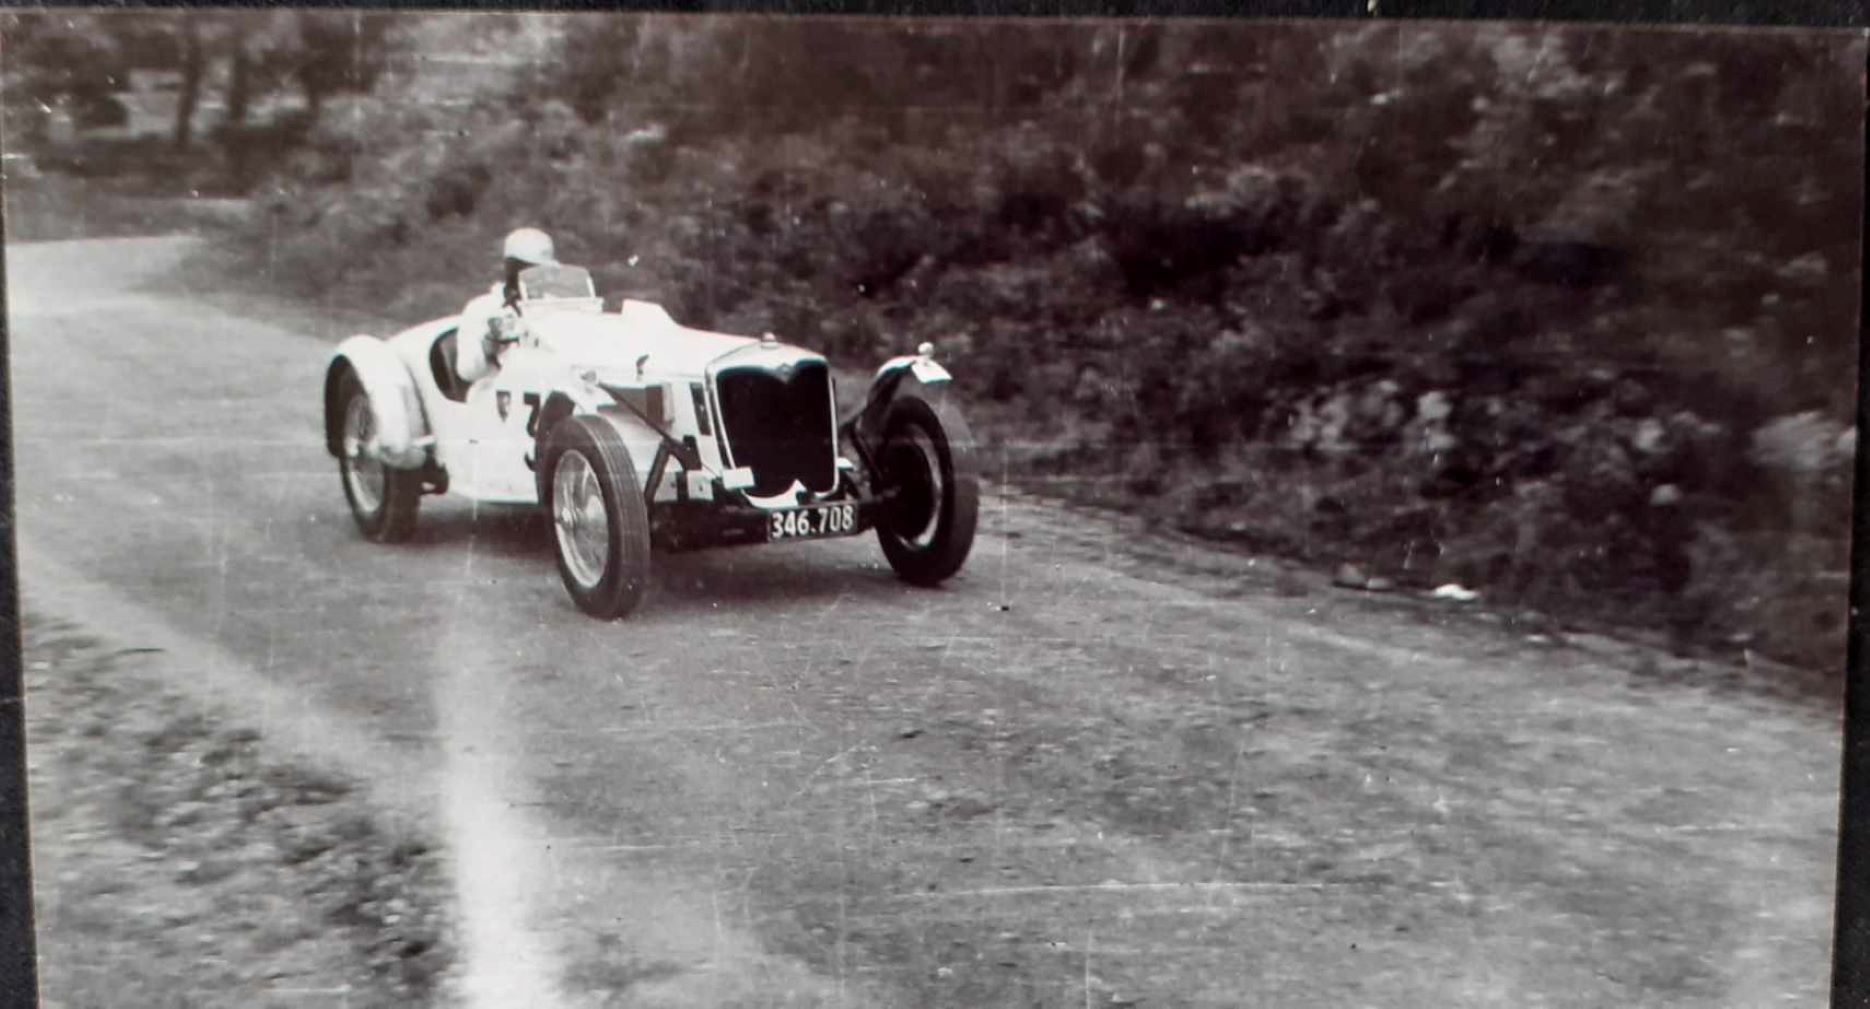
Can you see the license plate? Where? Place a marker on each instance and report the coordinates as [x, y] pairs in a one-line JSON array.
[[814, 522]]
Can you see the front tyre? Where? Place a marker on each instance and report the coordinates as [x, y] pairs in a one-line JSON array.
[[383, 499], [600, 525], [928, 472]]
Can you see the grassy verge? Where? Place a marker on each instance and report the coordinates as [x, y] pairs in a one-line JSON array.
[[177, 864]]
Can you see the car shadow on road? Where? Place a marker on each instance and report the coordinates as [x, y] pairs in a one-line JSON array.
[[762, 578], [753, 578], [501, 530]]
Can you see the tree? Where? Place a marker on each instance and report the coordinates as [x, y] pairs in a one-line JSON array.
[[53, 61], [260, 47], [194, 66], [322, 52], [330, 52]]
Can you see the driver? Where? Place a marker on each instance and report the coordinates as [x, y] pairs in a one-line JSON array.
[[479, 343]]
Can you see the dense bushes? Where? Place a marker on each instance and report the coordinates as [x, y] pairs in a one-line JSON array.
[[1565, 316]]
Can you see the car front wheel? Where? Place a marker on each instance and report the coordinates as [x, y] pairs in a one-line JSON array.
[[600, 525], [932, 486]]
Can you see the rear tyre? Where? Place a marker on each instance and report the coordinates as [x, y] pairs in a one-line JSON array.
[[600, 525], [383, 499], [928, 471]]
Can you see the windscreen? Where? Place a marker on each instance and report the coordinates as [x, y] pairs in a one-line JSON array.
[[552, 281]]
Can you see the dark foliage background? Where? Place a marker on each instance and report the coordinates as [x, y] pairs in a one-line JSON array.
[[1566, 315]]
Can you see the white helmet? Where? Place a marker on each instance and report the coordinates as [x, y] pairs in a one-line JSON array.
[[530, 246]]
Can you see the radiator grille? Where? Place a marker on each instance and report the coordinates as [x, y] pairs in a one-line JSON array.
[[779, 423]]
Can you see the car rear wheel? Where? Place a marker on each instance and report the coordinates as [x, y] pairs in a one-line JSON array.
[[932, 484], [600, 525], [383, 499]]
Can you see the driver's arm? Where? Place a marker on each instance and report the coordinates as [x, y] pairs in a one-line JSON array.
[[474, 346]]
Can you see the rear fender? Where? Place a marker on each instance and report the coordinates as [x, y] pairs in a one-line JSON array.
[[403, 436]]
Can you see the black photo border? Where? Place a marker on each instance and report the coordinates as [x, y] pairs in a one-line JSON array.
[[1851, 936]]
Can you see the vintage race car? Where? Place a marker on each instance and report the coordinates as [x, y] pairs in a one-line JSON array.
[[629, 430]]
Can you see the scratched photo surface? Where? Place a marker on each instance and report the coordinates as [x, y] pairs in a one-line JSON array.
[[1408, 468]]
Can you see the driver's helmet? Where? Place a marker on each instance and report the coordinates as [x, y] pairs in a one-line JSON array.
[[530, 246]]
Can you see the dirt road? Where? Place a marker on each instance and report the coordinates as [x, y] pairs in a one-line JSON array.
[[1097, 769]]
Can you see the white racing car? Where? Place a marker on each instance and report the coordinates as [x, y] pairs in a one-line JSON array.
[[629, 429]]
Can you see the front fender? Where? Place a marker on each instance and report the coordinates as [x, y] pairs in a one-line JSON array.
[[921, 366], [917, 374], [913, 371], [403, 436]]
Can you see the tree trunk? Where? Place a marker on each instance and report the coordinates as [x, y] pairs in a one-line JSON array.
[[234, 142], [239, 86], [314, 104], [194, 63]]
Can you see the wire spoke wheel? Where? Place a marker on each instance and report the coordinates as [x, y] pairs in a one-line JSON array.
[[600, 522], [914, 470], [579, 518], [927, 470], [383, 498], [363, 471]]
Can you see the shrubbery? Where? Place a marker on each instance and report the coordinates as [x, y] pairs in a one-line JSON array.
[[1566, 317]]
